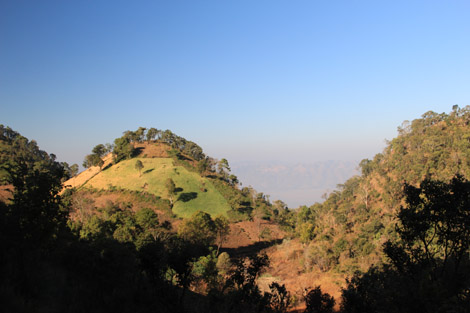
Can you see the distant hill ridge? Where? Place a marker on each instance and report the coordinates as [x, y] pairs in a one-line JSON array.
[[297, 183]]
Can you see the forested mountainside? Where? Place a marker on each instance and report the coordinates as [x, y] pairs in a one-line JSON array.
[[114, 240], [346, 232]]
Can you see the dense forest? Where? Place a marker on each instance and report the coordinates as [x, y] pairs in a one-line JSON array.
[[351, 225], [400, 231]]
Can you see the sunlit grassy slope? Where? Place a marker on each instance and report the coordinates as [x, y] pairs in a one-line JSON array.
[[190, 197]]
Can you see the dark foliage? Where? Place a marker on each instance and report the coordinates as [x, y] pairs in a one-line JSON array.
[[318, 302], [44, 267], [114, 260], [429, 268]]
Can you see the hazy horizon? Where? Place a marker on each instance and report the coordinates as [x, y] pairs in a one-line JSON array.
[[296, 184]]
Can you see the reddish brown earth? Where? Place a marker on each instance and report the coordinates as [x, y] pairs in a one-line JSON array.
[[287, 268], [5, 193], [85, 203], [286, 261], [246, 233], [152, 150]]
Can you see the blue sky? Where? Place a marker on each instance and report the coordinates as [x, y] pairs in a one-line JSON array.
[[288, 81]]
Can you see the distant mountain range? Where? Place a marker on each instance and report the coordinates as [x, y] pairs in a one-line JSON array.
[[295, 184]]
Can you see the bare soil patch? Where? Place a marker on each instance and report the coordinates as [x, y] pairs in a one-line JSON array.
[[87, 202], [286, 262], [287, 268], [152, 150], [247, 233], [6, 193]]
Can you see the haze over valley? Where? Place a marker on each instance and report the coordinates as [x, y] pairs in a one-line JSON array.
[[295, 184]]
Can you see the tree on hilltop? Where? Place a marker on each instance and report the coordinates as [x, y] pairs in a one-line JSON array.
[[140, 134], [130, 135], [96, 157], [100, 150], [123, 149], [202, 166], [233, 180], [73, 170], [70, 170], [152, 133], [92, 160], [224, 168]]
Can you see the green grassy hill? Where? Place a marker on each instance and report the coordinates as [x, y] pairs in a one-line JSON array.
[[194, 192]]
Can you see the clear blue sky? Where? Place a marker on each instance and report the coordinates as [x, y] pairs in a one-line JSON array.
[[295, 81]]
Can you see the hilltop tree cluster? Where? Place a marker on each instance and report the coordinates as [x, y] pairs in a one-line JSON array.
[[165, 136], [124, 147]]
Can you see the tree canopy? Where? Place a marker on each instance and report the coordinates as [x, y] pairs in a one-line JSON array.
[[347, 230], [429, 266]]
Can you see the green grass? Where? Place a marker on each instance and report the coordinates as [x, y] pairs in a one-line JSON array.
[[154, 175]]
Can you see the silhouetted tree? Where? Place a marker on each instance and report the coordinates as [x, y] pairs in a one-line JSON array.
[[319, 302], [243, 294], [435, 224], [280, 298], [429, 268]]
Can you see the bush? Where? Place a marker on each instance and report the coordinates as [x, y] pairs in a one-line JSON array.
[[318, 302]]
